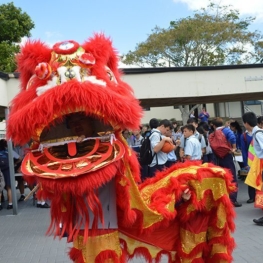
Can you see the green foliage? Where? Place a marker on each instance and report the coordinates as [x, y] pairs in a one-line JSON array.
[[14, 25], [214, 35], [7, 57]]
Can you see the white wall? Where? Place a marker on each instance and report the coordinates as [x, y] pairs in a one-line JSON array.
[[161, 113], [3, 93], [230, 109], [256, 109], [12, 88], [170, 113], [178, 84], [196, 83], [2, 129]]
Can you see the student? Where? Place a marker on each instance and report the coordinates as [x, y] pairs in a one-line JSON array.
[[246, 139], [158, 139], [203, 129], [192, 150], [204, 115], [250, 123], [153, 124], [198, 136], [172, 158], [6, 170], [237, 130], [227, 161]]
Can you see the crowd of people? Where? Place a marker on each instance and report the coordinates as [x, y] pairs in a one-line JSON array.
[[194, 141], [18, 153], [200, 139]]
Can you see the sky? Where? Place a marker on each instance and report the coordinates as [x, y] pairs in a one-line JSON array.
[[126, 22]]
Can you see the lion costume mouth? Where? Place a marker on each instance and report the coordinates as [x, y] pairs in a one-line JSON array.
[[58, 156], [68, 79]]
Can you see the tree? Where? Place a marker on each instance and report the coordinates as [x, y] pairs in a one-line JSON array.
[[14, 24], [214, 35], [185, 111]]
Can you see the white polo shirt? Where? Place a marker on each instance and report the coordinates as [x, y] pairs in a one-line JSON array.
[[162, 157], [193, 148]]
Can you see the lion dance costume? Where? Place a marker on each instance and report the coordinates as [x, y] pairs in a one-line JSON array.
[[94, 186]]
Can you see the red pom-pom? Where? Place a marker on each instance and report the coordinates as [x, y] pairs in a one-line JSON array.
[[87, 59], [43, 70], [66, 47]]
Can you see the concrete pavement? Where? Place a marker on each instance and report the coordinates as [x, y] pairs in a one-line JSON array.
[[23, 240]]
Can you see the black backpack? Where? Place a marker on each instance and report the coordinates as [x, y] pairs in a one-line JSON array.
[[146, 155]]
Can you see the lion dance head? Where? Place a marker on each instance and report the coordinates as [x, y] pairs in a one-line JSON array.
[[67, 91]]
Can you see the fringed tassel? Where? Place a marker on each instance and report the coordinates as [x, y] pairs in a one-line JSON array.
[[107, 255], [164, 253], [71, 200], [76, 255]]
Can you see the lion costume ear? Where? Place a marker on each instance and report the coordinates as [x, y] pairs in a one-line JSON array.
[[105, 55], [31, 54]]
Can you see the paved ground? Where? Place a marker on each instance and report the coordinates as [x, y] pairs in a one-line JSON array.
[[23, 240]]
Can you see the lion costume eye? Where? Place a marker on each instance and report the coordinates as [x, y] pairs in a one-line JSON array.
[[111, 75]]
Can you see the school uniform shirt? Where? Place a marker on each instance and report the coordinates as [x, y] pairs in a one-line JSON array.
[[196, 134], [176, 135], [208, 149], [258, 142], [160, 156], [171, 156], [193, 148], [138, 142]]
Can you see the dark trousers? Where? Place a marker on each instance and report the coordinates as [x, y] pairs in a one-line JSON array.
[[209, 158], [154, 169], [169, 163], [227, 162], [251, 192], [144, 171]]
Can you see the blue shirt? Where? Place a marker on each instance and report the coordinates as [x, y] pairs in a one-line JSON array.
[[238, 139], [230, 136], [204, 116]]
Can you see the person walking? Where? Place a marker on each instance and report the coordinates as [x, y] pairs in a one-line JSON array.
[[158, 138], [250, 123]]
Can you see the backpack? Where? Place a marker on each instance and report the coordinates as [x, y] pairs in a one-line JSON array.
[[219, 144], [146, 155], [4, 163]]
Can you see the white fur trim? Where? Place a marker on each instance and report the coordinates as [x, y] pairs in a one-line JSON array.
[[94, 80], [76, 70], [50, 85], [61, 71]]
